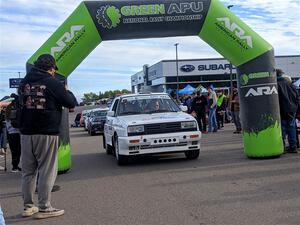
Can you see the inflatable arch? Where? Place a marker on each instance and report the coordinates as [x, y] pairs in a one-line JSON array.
[[95, 21]]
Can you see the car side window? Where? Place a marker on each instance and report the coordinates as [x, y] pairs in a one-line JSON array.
[[114, 108]]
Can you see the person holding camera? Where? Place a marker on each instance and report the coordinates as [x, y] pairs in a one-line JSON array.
[[43, 98]]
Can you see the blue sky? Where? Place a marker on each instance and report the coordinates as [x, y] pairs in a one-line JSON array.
[[25, 25]]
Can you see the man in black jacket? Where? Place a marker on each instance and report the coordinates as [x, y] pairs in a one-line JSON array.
[[42, 98], [199, 105], [288, 103]]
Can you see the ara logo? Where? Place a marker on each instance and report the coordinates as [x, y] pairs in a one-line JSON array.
[[108, 16], [66, 38], [265, 90], [238, 31], [187, 68]]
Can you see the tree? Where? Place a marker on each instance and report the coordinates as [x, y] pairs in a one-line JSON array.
[[90, 97]]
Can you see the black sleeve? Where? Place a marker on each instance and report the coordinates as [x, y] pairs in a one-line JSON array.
[[64, 97]]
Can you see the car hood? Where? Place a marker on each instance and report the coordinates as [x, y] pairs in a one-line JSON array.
[[155, 118]]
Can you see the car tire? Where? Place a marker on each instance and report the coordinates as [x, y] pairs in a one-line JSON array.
[[192, 154], [121, 159]]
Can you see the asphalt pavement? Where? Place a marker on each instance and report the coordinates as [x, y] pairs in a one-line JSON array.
[[222, 187]]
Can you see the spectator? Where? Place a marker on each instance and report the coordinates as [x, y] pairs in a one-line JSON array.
[[199, 105], [3, 133], [221, 108], [40, 121], [234, 104], [13, 136], [77, 120], [212, 106], [288, 103]]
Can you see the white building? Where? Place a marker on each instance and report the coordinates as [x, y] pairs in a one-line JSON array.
[[162, 76]]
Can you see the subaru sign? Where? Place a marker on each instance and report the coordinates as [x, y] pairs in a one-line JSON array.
[[187, 68], [15, 82]]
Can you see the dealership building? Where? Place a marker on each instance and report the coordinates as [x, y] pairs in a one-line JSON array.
[[162, 76]]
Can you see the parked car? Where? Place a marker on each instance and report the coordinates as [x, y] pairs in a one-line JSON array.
[[85, 114], [139, 124], [97, 120]]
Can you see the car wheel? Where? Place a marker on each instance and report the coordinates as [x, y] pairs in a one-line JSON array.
[[192, 154], [121, 159]]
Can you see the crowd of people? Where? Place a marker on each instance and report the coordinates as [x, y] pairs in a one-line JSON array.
[[214, 108], [217, 108]]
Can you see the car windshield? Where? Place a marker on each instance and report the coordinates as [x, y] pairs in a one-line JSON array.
[[146, 105], [99, 113]]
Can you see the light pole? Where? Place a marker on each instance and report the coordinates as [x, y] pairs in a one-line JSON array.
[[230, 64], [177, 88]]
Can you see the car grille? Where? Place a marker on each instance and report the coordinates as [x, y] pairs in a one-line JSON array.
[[162, 128], [159, 128]]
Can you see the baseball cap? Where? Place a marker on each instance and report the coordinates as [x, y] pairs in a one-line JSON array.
[[45, 61]]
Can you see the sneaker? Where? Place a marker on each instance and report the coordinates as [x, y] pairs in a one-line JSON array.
[[29, 211], [43, 214], [14, 170], [291, 150], [55, 188]]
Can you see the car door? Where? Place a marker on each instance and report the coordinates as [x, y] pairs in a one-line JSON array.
[[108, 127]]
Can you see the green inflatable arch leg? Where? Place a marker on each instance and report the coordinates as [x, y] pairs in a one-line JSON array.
[[64, 158], [95, 21]]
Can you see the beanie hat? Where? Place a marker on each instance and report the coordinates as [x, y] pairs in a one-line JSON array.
[[45, 62]]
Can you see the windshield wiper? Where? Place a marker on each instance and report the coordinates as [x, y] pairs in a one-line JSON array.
[[159, 111], [129, 113]]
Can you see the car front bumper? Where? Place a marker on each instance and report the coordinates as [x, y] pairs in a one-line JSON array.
[[159, 143]]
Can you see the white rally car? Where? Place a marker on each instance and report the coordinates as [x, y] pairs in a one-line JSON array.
[[139, 124]]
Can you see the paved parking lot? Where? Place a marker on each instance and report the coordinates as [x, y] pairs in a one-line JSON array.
[[222, 187]]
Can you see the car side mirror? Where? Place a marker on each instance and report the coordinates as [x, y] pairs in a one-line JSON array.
[[184, 108], [111, 113]]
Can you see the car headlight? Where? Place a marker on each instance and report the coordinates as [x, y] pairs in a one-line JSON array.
[[188, 124], [135, 129]]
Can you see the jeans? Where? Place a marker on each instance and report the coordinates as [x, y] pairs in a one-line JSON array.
[[3, 138], [212, 120], [236, 120], [288, 127], [1, 217]]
